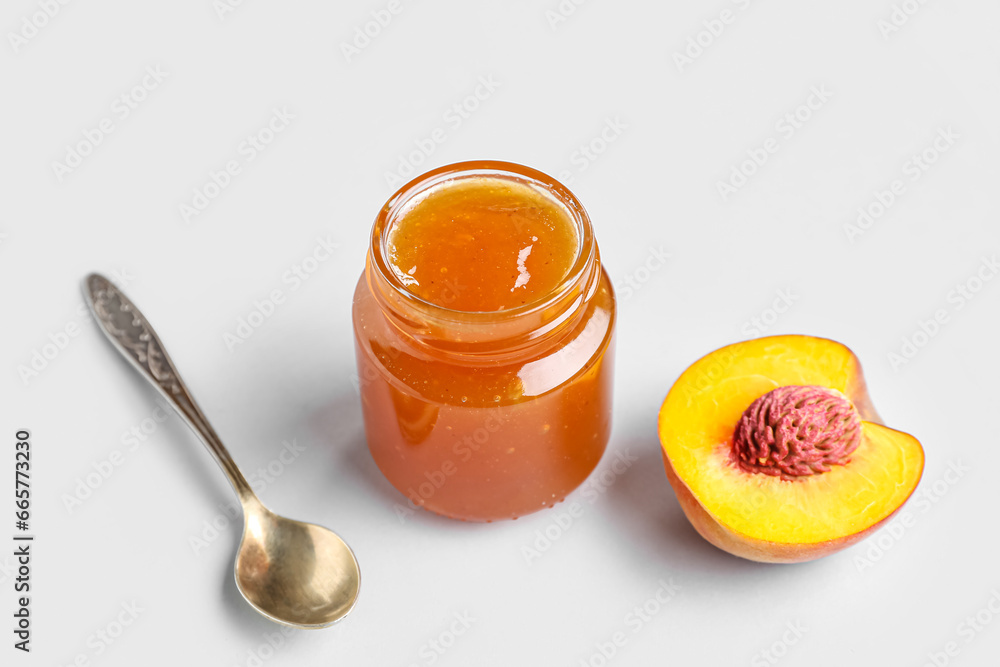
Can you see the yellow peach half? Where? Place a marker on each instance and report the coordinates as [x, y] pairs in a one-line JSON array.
[[776, 453]]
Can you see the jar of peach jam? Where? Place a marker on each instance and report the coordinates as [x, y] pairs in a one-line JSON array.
[[484, 340]]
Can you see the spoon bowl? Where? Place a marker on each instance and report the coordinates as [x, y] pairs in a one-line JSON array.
[[294, 573]]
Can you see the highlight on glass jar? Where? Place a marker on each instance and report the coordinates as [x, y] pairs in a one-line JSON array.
[[483, 328]]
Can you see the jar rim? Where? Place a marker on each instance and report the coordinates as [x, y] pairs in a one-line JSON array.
[[585, 254]]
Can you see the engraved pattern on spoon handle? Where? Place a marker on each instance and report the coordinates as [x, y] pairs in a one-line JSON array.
[[128, 329]]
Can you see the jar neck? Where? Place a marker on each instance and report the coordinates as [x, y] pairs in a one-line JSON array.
[[476, 335]]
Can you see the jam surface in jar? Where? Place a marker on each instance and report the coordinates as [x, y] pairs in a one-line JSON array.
[[484, 339], [482, 244]]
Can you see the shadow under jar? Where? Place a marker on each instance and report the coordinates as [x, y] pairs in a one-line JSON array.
[[483, 330]]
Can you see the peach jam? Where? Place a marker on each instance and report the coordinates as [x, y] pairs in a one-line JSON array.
[[484, 339]]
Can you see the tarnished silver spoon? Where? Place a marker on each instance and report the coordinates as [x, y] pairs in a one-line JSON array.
[[295, 573]]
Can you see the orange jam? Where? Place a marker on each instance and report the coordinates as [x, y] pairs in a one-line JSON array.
[[484, 339], [481, 244]]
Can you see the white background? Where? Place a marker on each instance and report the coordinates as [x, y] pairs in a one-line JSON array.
[[890, 601]]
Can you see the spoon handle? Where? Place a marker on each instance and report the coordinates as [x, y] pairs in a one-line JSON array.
[[134, 337]]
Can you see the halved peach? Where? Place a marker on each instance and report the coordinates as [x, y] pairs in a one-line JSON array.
[[776, 453]]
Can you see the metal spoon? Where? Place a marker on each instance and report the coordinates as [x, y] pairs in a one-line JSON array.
[[295, 573]]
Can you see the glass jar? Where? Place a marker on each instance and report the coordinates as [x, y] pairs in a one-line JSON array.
[[483, 415]]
